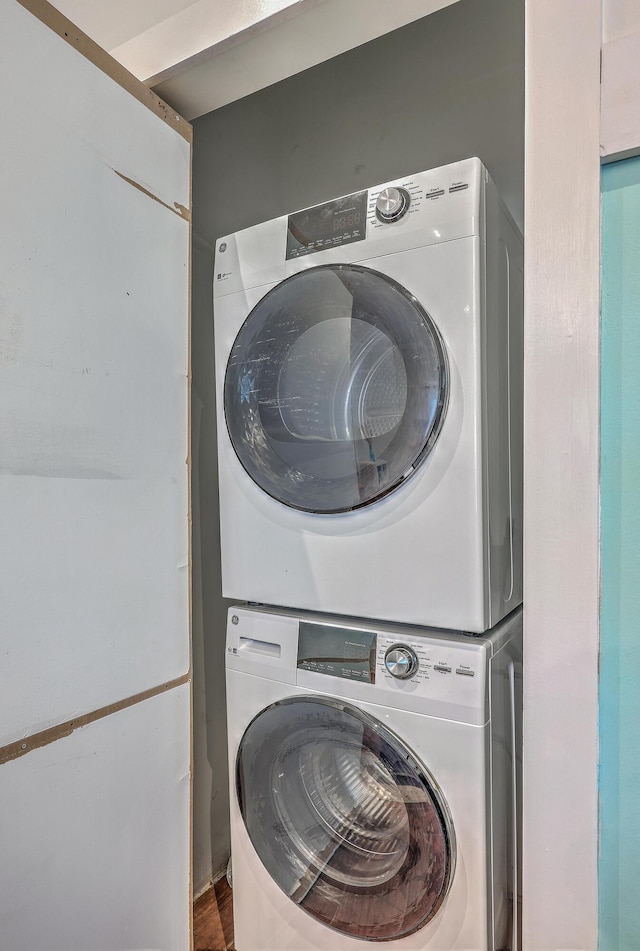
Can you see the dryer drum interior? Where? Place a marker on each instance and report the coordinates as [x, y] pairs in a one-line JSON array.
[[335, 389], [344, 818]]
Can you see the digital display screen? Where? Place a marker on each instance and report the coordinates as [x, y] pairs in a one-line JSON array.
[[337, 651], [327, 226]]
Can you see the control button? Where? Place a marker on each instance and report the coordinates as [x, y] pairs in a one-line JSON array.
[[436, 193], [392, 204], [459, 186], [401, 661], [442, 668], [465, 671]]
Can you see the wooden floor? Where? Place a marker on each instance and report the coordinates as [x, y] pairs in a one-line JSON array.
[[213, 919]]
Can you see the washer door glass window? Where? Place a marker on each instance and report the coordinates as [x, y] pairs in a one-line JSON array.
[[335, 388], [344, 818]]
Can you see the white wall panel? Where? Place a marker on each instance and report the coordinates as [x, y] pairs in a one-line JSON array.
[[94, 834], [94, 274]]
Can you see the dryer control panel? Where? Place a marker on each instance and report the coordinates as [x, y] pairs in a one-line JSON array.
[[430, 207]]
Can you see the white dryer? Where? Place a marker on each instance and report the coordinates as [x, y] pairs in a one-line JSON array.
[[373, 784], [369, 385]]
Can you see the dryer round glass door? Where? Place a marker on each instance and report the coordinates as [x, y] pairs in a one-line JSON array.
[[335, 389], [345, 819]]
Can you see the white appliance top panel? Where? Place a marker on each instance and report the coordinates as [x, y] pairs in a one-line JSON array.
[[439, 205], [347, 659]]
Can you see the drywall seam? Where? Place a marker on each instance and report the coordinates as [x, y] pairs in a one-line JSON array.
[[37, 740], [178, 209]]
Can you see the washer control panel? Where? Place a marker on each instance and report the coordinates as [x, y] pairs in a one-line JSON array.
[[429, 666], [421, 665], [401, 661], [430, 672]]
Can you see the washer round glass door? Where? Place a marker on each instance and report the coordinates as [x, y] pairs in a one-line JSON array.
[[335, 389], [344, 818]]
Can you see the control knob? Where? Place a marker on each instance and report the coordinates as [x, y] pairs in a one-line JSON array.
[[392, 204], [401, 661]]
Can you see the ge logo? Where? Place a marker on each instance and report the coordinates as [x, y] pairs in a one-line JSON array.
[[222, 247], [234, 619]]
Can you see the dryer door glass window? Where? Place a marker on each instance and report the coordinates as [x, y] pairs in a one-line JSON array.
[[344, 818], [335, 388]]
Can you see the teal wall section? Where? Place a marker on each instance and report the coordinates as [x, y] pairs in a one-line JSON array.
[[619, 865]]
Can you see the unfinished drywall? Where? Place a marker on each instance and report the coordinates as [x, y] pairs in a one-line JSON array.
[[442, 89]]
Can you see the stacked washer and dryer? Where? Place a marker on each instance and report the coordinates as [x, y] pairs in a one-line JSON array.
[[369, 383]]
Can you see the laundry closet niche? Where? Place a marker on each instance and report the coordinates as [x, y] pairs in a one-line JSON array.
[[441, 89]]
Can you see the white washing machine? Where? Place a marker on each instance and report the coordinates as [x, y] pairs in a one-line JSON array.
[[373, 784], [369, 381]]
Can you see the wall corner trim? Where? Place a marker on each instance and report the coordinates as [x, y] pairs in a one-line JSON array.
[[561, 474]]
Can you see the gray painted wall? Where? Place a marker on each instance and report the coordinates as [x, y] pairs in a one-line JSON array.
[[442, 89], [210, 793]]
